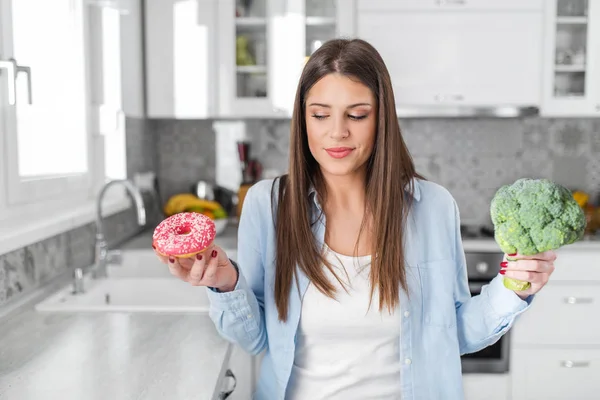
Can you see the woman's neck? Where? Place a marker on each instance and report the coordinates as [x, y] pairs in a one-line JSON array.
[[345, 193]]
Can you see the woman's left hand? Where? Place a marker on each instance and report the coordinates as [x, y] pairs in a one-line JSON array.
[[535, 269]]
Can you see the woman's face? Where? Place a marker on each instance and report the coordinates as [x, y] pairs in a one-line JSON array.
[[341, 120]]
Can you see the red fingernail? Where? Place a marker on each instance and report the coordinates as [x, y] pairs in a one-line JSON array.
[[504, 264], [512, 255], [214, 253], [198, 256], [171, 260], [502, 271]]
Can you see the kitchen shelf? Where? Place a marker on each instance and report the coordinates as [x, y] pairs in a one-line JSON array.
[[251, 69], [569, 68], [251, 21], [571, 20], [320, 21]]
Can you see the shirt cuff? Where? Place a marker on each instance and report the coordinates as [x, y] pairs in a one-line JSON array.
[[229, 300], [505, 302]]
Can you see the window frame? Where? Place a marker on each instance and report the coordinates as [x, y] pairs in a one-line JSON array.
[[34, 210]]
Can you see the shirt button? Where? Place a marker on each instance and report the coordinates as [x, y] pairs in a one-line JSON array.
[[407, 361], [406, 314]]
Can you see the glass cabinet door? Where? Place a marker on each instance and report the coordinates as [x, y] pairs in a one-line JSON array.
[[321, 23], [571, 47], [572, 77], [251, 21]]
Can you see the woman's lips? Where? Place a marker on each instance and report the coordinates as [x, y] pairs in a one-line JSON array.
[[339, 152]]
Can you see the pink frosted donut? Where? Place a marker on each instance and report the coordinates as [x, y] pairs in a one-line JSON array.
[[184, 234]]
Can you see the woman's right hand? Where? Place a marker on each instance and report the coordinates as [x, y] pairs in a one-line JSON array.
[[209, 268]]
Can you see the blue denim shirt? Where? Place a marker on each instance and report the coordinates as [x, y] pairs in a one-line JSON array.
[[440, 321]]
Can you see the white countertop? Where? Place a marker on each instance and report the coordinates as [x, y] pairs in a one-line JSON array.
[[490, 245], [110, 356]]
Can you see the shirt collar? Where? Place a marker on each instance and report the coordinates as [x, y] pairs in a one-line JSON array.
[[312, 191]]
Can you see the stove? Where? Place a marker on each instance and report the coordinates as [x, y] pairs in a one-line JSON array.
[[482, 267], [477, 231]]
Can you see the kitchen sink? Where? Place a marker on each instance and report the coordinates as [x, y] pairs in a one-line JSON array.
[[130, 295], [140, 284]]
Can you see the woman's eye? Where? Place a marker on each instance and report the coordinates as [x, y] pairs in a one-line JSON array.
[[357, 117], [319, 116]]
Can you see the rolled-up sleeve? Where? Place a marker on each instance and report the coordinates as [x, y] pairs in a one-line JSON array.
[[239, 315], [484, 318]]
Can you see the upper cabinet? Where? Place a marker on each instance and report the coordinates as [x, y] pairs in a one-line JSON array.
[[571, 74], [262, 48], [450, 54], [181, 59]]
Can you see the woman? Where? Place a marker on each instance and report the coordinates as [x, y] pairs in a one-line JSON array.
[[351, 272]]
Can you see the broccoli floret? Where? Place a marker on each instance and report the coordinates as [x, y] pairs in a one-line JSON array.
[[532, 216], [535, 215]]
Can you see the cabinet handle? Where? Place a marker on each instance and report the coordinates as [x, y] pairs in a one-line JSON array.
[[574, 364], [578, 300], [446, 97], [451, 2], [26, 70], [226, 393], [11, 69]]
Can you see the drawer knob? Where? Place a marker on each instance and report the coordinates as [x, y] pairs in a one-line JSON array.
[[578, 300], [574, 364]]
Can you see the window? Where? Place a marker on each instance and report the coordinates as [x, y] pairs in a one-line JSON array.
[[62, 130], [46, 123]]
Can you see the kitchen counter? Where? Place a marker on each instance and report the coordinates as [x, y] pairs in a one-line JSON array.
[[490, 245], [111, 355]]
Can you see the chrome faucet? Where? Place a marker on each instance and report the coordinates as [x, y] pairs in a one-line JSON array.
[[102, 255]]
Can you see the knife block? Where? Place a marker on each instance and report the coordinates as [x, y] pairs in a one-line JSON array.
[[244, 187]]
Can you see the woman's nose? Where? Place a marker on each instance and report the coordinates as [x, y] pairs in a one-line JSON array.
[[339, 130]]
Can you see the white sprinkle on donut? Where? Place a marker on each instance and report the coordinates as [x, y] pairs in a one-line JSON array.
[[184, 233]]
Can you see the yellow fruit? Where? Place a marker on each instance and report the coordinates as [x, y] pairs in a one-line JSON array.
[[209, 205], [177, 203], [581, 198]]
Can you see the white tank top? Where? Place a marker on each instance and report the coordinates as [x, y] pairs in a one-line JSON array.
[[344, 349]]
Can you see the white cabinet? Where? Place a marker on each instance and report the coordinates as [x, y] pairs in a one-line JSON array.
[[181, 58], [474, 58], [486, 386], [556, 374], [444, 5], [468, 59], [571, 73], [557, 341], [239, 375], [262, 50]]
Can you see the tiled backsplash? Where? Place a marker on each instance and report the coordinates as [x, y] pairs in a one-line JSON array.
[[28, 268], [470, 157]]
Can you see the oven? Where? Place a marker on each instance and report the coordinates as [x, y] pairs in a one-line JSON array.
[[482, 267]]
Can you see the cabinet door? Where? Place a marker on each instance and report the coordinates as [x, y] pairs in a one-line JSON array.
[[180, 44], [555, 374], [445, 5], [459, 58], [562, 314], [571, 84], [241, 365], [246, 58], [486, 386]]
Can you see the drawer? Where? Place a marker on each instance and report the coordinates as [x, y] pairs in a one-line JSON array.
[[450, 5], [556, 374], [561, 314], [576, 265]]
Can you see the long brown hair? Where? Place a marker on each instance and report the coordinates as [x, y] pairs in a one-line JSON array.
[[390, 170]]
